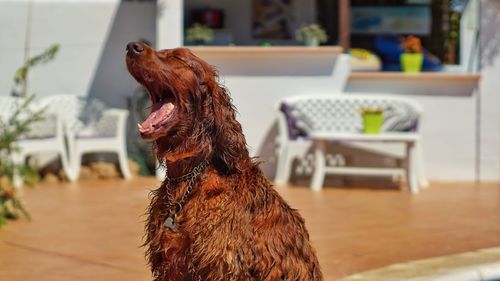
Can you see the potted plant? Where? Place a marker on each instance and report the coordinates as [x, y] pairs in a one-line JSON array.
[[11, 205], [373, 118], [311, 34], [200, 34], [12, 128], [412, 58]]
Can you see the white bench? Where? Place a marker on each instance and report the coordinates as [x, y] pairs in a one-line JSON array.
[[104, 133], [62, 124], [45, 135], [319, 119]]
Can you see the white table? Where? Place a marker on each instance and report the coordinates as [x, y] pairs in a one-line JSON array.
[[413, 169]]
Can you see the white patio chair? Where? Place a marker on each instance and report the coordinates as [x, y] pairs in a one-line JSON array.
[[105, 134], [45, 136], [290, 146]]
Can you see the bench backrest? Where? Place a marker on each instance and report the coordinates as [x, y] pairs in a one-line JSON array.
[[342, 113], [81, 117], [44, 128]]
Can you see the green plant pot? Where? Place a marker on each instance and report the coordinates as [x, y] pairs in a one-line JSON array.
[[411, 62], [372, 122], [311, 42]]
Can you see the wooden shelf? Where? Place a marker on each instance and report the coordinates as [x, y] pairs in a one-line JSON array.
[[270, 61], [425, 83], [260, 50], [415, 76]]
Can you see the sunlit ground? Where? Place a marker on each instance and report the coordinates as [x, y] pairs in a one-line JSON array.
[[93, 230]]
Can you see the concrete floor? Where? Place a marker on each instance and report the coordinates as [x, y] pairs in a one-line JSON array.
[[92, 230]]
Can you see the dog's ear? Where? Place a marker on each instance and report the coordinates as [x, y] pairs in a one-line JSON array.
[[229, 146]]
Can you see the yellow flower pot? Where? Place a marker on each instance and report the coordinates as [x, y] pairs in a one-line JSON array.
[[372, 122], [411, 62]]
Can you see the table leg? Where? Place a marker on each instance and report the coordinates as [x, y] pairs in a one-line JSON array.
[[318, 176], [411, 168]]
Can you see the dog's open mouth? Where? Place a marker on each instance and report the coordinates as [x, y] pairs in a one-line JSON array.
[[162, 112]]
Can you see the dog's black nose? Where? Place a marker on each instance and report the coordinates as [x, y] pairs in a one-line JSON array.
[[135, 47]]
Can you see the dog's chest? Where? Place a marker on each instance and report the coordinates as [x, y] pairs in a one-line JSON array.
[[199, 217], [200, 231]]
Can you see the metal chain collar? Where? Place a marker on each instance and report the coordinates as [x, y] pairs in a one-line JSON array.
[[191, 178]]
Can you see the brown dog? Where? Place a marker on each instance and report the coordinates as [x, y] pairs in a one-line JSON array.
[[215, 217]]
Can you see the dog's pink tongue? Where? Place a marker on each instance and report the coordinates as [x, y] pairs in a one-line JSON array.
[[157, 117]]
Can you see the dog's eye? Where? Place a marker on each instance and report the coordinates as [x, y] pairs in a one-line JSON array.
[[183, 61]]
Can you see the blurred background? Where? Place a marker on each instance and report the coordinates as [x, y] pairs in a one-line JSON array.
[[379, 120]]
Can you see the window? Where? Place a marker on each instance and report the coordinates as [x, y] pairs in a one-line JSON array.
[[436, 23]]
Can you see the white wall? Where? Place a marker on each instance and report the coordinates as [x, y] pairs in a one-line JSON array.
[[448, 133], [79, 27], [12, 38], [111, 82], [169, 19], [92, 37], [490, 121], [489, 90]]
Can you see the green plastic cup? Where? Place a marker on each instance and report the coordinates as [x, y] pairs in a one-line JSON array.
[[411, 63], [372, 122]]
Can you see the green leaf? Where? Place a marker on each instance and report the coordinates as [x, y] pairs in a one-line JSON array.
[[18, 124]]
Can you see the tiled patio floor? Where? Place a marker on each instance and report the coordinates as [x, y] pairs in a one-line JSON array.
[[92, 230], [481, 265]]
